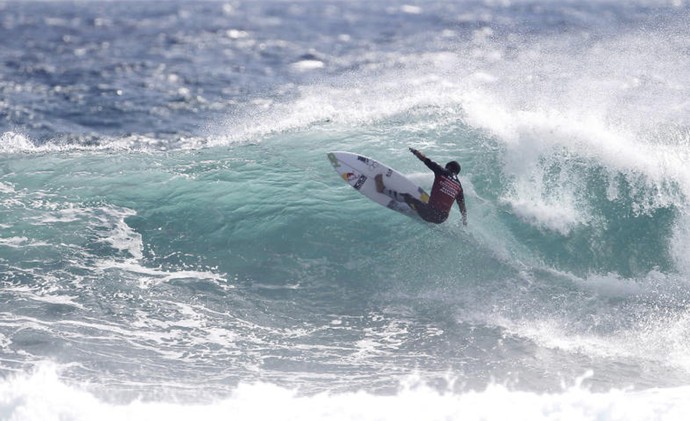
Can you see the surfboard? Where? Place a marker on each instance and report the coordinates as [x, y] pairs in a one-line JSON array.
[[359, 171]]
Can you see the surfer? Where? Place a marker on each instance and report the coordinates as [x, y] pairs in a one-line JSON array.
[[446, 190]]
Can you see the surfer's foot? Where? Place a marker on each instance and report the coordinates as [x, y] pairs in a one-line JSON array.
[[379, 183]]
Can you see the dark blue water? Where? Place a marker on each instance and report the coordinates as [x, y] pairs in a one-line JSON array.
[[174, 241]]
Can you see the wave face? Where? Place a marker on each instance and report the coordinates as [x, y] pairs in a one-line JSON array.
[[172, 231]]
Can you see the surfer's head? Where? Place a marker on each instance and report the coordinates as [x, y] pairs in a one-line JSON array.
[[453, 167]]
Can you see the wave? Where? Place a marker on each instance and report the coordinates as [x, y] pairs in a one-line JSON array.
[[270, 222]]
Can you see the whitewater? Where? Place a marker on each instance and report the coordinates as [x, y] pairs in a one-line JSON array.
[[174, 242]]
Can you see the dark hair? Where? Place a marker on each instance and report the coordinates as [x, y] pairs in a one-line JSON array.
[[453, 167]]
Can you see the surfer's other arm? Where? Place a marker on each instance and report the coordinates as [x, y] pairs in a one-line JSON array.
[[460, 199]]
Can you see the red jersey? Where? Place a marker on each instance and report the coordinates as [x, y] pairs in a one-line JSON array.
[[444, 193]]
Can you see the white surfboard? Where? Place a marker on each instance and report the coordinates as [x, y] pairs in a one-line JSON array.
[[359, 172]]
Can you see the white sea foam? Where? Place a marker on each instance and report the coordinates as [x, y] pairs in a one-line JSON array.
[[122, 236], [14, 242], [149, 276], [6, 188], [634, 332], [11, 142], [658, 339], [58, 299], [597, 109], [559, 213], [69, 214], [45, 396], [15, 142]]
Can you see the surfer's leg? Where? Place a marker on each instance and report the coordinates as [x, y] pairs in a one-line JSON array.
[[413, 203], [425, 211], [400, 197], [379, 183], [381, 188], [402, 207], [406, 206]]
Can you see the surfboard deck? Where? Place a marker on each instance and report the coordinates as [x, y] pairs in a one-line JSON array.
[[359, 171]]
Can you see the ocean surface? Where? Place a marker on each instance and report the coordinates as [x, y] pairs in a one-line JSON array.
[[174, 243]]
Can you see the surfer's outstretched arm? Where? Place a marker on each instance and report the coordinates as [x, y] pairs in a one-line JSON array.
[[418, 154], [433, 166]]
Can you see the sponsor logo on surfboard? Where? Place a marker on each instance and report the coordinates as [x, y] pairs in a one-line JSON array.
[[334, 160], [362, 179], [349, 176]]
